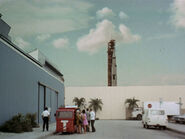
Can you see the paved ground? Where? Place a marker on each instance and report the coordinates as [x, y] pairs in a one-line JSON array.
[[121, 129], [177, 127], [107, 129], [37, 133]]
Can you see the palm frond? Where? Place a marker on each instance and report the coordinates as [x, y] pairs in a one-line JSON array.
[[79, 101], [132, 103], [96, 104]]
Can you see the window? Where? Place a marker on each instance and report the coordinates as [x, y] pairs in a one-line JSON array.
[[114, 77], [65, 114], [157, 112]]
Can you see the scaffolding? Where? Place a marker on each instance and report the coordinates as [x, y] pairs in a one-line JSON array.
[[112, 67]]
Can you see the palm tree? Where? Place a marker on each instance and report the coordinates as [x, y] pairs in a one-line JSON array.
[[80, 102], [95, 104], [132, 103]]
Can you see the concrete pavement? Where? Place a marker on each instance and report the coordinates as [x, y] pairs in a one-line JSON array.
[[121, 129], [175, 127], [37, 132]]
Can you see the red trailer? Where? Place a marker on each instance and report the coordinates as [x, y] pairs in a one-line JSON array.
[[65, 120]]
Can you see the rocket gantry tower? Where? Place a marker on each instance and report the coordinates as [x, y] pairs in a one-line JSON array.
[[112, 67]]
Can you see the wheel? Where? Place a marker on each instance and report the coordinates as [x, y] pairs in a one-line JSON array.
[[161, 127], [147, 126], [139, 117]]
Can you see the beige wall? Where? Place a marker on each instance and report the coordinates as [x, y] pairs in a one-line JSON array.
[[114, 97]]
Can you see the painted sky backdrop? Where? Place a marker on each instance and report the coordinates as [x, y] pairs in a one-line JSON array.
[[73, 34]]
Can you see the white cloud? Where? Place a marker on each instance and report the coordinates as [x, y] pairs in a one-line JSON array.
[[61, 43], [22, 43], [122, 15], [126, 36], [43, 37], [178, 9], [101, 35], [104, 13], [45, 17]]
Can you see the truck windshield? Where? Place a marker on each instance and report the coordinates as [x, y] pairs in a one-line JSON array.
[[157, 112], [65, 114]]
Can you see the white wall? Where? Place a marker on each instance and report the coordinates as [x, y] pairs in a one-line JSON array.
[[114, 97]]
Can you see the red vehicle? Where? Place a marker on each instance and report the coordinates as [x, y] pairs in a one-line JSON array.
[[65, 120]]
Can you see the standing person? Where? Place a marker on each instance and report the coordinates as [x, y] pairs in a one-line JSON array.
[[88, 119], [78, 122], [45, 117], [92, 117], [85, 122]]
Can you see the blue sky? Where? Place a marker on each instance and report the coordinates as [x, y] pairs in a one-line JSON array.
[[73, 34]]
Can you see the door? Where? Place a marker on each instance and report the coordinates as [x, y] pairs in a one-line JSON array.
[[47, 97], [54, 105], [41, 102]]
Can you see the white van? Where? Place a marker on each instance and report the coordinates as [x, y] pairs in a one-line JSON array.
[[154, 118]]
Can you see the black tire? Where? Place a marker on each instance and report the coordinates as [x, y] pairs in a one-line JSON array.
[[139, 117], [161, 127], [147, 126]]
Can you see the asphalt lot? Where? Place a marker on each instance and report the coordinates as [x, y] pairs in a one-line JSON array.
[[121, 129], [106, 129]]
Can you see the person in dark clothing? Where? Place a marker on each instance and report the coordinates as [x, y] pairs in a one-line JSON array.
[[45, 117]]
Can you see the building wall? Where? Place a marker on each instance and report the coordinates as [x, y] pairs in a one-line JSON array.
[[19, 89], [114, 97]]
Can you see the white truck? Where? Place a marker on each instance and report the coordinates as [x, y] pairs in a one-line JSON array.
[[171, 108], [137, 113]]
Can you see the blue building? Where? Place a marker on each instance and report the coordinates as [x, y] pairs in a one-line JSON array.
[[27, 84]]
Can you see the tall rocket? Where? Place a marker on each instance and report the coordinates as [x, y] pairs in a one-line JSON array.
[[112, 67]]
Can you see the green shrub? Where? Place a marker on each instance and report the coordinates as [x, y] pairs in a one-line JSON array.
[[13, 125], [32, 118], [19, 123], [26, 124]]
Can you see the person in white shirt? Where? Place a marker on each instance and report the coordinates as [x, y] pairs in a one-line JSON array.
[[92, 118], [45, 117]]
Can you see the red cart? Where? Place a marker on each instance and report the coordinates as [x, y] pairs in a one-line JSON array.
[[65, 120]]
